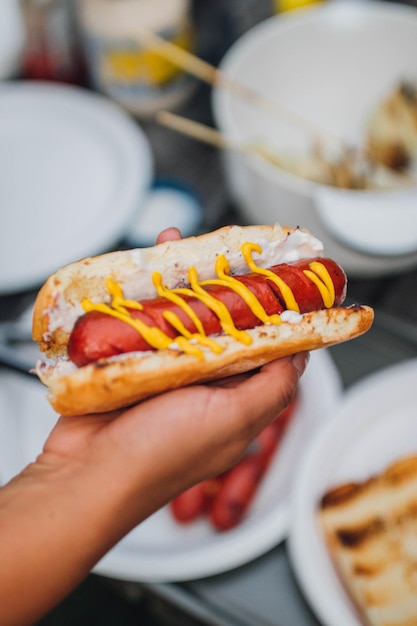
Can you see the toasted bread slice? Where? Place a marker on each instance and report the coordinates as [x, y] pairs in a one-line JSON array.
[[371, 532]]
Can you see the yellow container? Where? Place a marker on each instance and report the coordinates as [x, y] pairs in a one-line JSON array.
[[289, 5], [138, 78]]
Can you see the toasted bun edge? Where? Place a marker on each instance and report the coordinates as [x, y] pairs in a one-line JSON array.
[[125, 380]]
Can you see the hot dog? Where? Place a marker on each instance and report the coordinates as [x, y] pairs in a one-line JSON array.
[[127, 325], [239, 487], [226, 499], [97, 335], [193, 503]]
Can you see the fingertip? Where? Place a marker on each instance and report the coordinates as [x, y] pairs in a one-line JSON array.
[[169, 234], [300, 362]]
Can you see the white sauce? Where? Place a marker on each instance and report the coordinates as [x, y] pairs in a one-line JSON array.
[[137, 283], [291, 316]]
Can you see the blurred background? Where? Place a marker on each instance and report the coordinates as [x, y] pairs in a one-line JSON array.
[[257, 111], [286, 149]]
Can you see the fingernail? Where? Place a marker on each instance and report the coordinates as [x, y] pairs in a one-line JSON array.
[[300, 361]]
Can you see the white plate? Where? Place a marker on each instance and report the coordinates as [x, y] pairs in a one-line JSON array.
[[160, 549], [375, 424], [365, 221], [73, 170]]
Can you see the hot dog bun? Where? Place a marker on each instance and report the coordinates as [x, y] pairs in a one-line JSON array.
[[125, 379]]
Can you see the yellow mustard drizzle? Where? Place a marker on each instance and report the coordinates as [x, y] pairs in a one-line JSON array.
[[317, 273], [170, 295], [175, 321], [152, 335], [320, 276], [119, 303], [222, 268], [214, 305], [289, 299], [186, 340]]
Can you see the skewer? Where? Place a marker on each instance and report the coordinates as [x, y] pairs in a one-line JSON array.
[[215, 77], [213, 137], [209, 135]]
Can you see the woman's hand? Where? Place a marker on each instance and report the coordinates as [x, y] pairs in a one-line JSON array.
[[183, 436], [164, 445], [100, 475]]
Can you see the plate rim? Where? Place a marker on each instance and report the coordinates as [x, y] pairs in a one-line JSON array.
[[121, 129], [121, 563], [301, 538], [335, 207]]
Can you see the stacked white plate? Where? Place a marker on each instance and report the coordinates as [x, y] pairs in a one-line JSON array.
[[74, 168]]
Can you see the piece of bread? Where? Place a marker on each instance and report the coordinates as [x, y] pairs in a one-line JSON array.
[[371, 532]]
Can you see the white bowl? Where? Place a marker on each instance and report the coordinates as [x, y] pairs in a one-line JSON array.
[[331, 65]]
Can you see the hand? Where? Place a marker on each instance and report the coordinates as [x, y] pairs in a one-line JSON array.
[[180, 437], [100, 475], [183, 436]]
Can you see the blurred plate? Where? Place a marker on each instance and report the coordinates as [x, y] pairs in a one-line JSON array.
[[160, 549], [374, 425], [368, 222], [167, 204], [73, 169]]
